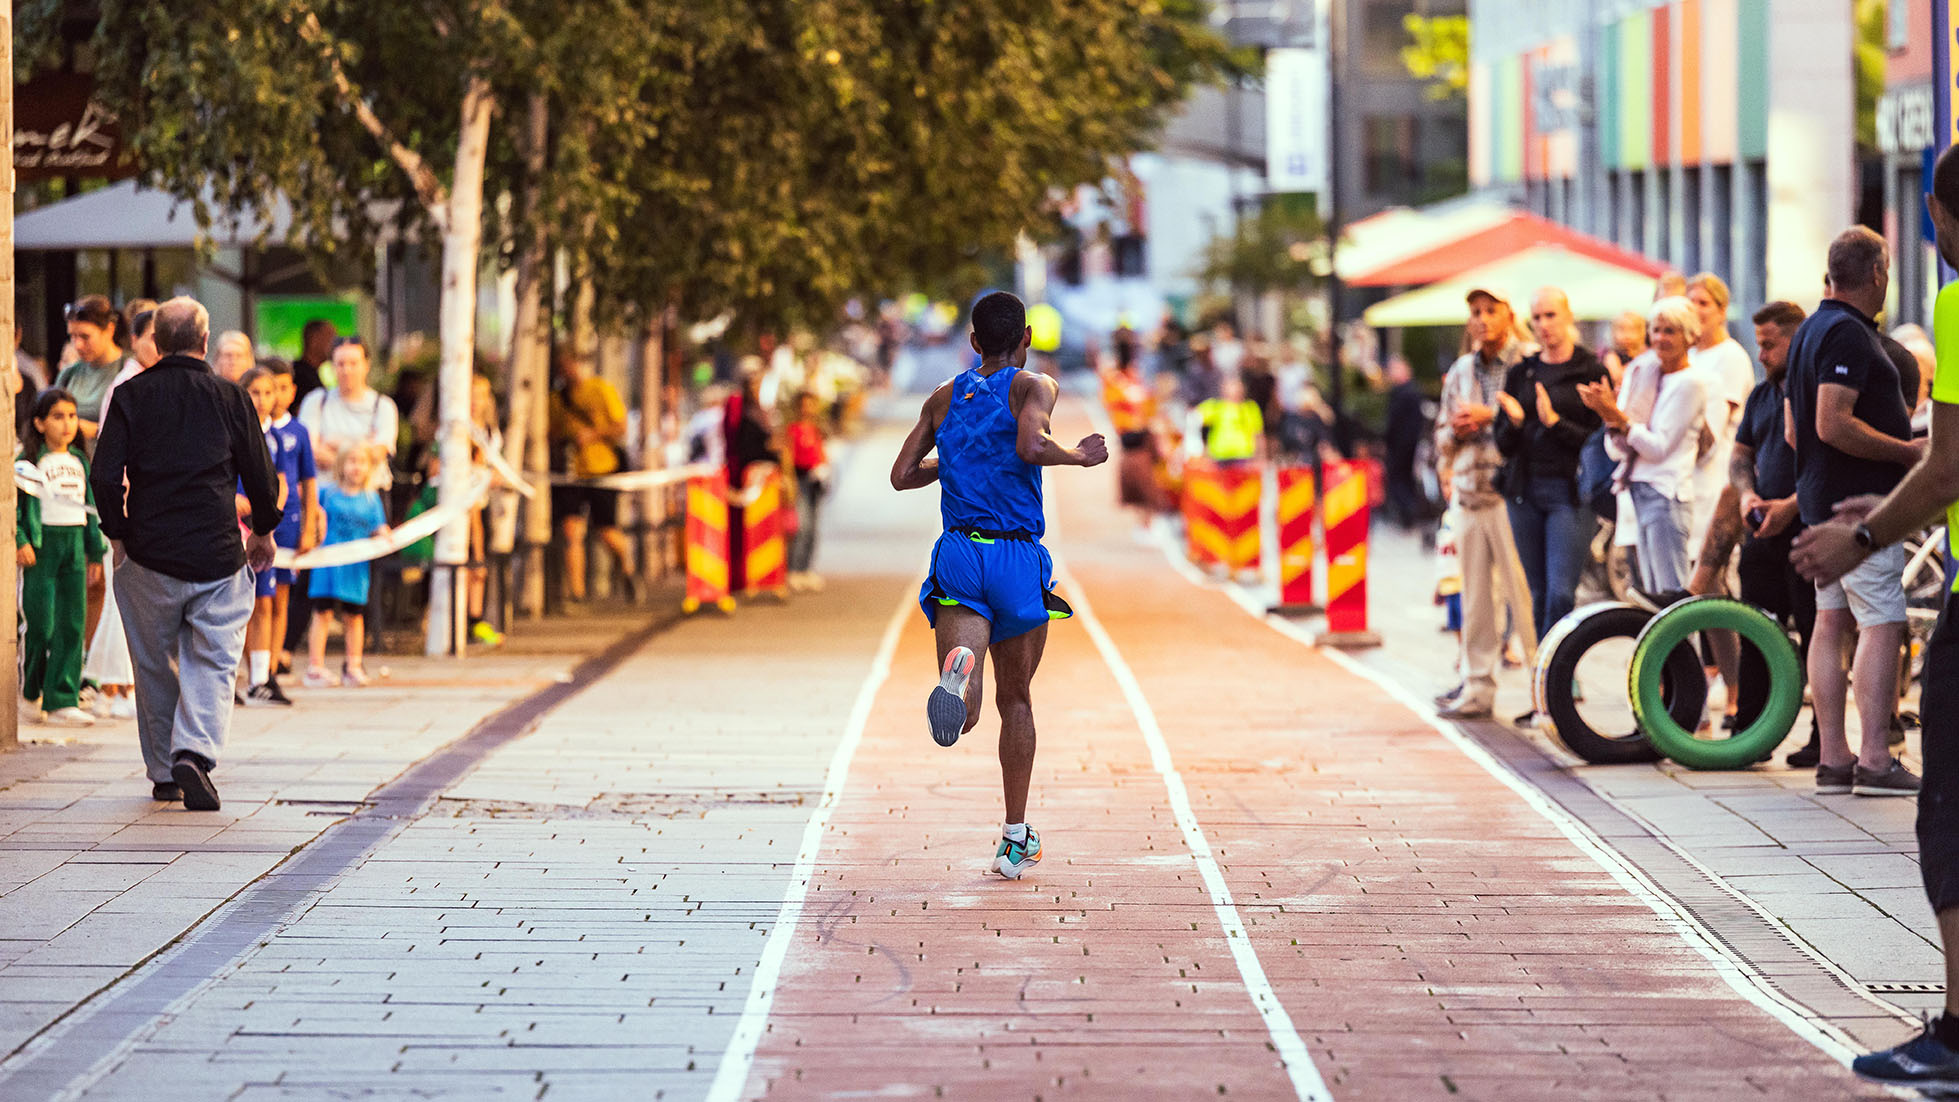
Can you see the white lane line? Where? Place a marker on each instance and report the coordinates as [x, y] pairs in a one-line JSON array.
[[739, 1057], [1741, 976], [1306, 1081]]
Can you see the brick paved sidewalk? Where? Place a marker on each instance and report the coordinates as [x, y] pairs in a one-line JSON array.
[[95, 876]]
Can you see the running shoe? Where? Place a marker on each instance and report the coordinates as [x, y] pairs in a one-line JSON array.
[[1923, 1063], [945, 709], [70, 717], [122, 707], [317, 678], [30, 711], [353, 677], [1013, 859]]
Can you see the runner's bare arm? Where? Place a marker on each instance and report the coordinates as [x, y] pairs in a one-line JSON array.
[[913, 471], [1036, 444]]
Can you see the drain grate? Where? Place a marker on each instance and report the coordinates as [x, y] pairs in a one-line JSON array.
[[1905, 988]]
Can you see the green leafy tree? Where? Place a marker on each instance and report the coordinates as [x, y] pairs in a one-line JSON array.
[[1439, 54]]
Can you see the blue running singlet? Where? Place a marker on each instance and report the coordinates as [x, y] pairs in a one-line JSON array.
[[983, 482], [990, 558]]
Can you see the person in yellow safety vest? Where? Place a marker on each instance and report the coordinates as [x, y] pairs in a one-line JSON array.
[[1232, 426]]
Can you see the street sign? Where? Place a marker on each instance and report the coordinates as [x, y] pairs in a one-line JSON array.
[[1296, 128]]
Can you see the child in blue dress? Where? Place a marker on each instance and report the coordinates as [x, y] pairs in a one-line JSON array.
[[353, 511]]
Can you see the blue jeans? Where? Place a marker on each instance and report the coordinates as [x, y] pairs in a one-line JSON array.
[[1663, 524], [1554, 538]]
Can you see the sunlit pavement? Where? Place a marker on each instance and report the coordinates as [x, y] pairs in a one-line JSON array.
[[735, 865]]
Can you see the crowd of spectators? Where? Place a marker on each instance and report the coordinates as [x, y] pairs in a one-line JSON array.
[[131, 576]]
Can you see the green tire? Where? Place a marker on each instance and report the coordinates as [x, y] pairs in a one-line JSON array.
[[1681, 622]]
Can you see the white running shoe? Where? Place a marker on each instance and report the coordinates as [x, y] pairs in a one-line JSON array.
[[1012, 859], [812, 581], [70, 717], [30, 712], [122, 707], [103, 707], [945, 709]]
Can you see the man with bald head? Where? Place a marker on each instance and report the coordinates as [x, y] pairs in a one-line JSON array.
[[185, 441], [1541, 429]]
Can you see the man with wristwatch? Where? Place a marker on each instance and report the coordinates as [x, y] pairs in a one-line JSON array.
[[1861, 529]]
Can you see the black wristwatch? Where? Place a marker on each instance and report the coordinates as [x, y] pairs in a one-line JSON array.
[[1866, 542]]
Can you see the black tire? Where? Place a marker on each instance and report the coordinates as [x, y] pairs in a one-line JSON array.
[[1684, 684]]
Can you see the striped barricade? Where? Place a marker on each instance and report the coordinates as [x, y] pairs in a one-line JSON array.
[[1298, 494], [1344, 518], [707, 544], [765, 552], [1224, 527]]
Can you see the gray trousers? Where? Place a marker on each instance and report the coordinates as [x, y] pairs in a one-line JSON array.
[[1492, 580], [185, 640]]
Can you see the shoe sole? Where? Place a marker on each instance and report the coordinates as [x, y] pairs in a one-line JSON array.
[[199, 793], [1012, 871], [1867, 790], [1833, 790], [945, 709]]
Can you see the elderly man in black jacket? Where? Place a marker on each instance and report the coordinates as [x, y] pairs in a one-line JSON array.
[[186, 441]]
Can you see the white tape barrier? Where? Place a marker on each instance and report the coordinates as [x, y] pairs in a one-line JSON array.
[[28, 480], [502, 467], [640, 480], [370, 548]]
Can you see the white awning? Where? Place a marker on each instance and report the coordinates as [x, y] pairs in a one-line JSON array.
[[126, 216]]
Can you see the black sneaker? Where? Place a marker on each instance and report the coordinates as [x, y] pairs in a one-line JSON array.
[[1808, 756], [194, 777], [166, 792], [1894, 780], [1922, 1062], [267, 694], [1835, 781]]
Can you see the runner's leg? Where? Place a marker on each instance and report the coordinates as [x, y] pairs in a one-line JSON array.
[[1014, 663], [959, 626]]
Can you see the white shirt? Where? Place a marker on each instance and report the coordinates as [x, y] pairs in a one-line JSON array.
[[1729, 376], [333, 420], [67, 489], [130, 369], [1660, 449]]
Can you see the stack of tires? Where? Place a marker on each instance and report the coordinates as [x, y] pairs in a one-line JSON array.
[[1667, 684]]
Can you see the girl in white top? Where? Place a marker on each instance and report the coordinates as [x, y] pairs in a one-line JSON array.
[[351, 412], [1654, 429]]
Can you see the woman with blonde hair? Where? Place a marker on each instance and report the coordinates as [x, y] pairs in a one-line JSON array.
[[1653, 427]]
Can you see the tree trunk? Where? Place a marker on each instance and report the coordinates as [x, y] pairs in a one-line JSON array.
[[537, 458], [462, 230], [9, 615], [520, 382], [652, 445]]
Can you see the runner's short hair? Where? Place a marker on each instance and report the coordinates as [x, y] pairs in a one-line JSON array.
[[1782, 314], [1945, 179], [999, 321]]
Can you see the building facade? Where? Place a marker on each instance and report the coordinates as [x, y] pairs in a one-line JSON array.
[[1906, 133], [1715, 135]]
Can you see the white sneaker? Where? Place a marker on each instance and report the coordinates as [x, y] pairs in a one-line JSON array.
[[122, 707], [813, 583], [797, 583], [103, 707], [30, 711], [70, 717]]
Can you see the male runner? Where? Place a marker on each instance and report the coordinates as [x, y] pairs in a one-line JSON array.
[[991, 582], [1929, 1061]]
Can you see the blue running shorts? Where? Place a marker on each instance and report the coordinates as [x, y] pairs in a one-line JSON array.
[[1008, 581]]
